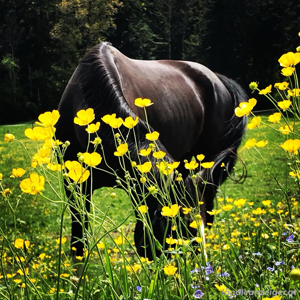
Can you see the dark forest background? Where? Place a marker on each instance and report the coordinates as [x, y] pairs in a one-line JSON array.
[[42, 41]]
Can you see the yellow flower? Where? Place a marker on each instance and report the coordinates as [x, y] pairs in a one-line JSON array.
[[92, 159], [266, 202], [207, 165], [142, 102], [145, 152], [19, 243], [76, 172], [145, 167], [153, 136], [281, 85], [250, 143], [171, 241], [254, 123], [293, 174], [84, 117], [33, 185], [115, 122], [285, 104], [121, 150], [92, 128], [48, 119], [191, 165], [264, 235], [100, 245], [226, 247], [275, 118], [289, 59], [258, 211], [51, 143], [227, 207], [39, 133], [224, 289], [200, 157], [286, 129], [240, 202], [159, 154], [214, 212], [120, 240], [170, 270], [61, 241], [186, 210], [167, 168], [143, 209], [170, 211], [65, 275], [130, 123], [294, 92], [287, 71], [8, 137], [55, 167], [143, 179], [291, 146], [261, 144], [19, 172], [6, 191], [245, 108], [266, 90], [41, 157], [1, 176]]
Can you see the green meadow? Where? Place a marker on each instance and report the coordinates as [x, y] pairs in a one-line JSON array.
[[247, 247]]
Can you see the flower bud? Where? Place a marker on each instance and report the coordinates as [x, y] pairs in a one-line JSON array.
[[65, 176], [67, 143], [113, 195], [133, 164], [253, 85], [298, 49], [81, 158]]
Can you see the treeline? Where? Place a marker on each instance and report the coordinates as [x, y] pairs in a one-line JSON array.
[[41, 42]]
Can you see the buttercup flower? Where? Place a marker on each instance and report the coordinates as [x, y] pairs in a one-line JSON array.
[[285, 104], [18, 172], [39, 133], [33, 185], [145, 152], [275, 118], [286, 129], [145, 167], [289, 59], [281, 85], [9, 137], [192, 165], [254, 123], [92, 159], [84, 117], [287, 71], [76, 172], [170, 211], [159, 154], [153, 136], [143, 209], [261, 144], [245, 108], [92, 128], [121, 150], [250, 143], [253, 85], [142, 102], [6, 191], [167, 168], [294, 92], [200, 157], [170, 270], [41, 157], [130, 123], [291, 146], [48, 119], [207, 165], [266, 90], [55, 167]]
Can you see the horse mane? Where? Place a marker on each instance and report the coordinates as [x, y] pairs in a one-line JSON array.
[[232, 139], [102, 92]]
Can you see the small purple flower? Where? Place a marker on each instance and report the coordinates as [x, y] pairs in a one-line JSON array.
[[257, 253], [278, 263], [195, 271], [292, 267], [257, 285], [290, 238], [225, 274], [139, 289], [209, 270], [270, 269], [285, 233], [198, 294], [240, 256]]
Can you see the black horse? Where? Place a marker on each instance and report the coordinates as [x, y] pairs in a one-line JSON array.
[[193, 111]]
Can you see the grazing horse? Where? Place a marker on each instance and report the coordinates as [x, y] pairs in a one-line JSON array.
[[193, 111]]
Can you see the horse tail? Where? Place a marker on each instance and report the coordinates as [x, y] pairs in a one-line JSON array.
[[226, 159]]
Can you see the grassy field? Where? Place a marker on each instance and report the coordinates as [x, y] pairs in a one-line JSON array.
[[38, 219]]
